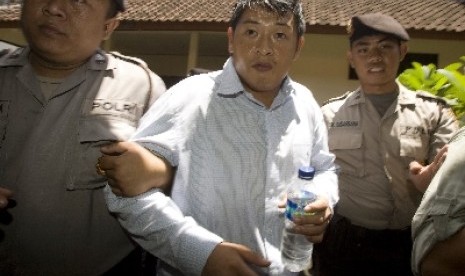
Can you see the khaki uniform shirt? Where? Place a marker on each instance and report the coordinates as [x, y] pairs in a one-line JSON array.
[[442, 210], [374, 153], [48, 152]]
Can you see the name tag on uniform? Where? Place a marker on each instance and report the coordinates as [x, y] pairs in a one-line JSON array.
[[344, 124], [116, 108]]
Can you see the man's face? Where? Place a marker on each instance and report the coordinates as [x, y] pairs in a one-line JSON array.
[[66, 31], [263, 47], [376, 60]]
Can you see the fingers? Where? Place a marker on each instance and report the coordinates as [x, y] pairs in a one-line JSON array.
[[415, 167], [319, 205], [250, 256], [112, 149], [99, 169], [114, 187], [442, 153], [441, 156], [233, 259], [313, 232], [314, 223], [116, 148]]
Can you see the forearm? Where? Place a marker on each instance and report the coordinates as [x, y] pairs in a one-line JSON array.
[[155, 222], [446, 257]]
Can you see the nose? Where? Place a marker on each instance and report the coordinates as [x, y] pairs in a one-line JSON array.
[[264, 46], [375, 55], [53, 8]]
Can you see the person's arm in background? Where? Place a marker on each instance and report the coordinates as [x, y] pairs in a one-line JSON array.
[[446, 257], [421, 174], [438, 227]]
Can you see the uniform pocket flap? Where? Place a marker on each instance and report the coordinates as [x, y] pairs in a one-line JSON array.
[[440, 207], [344, 140]]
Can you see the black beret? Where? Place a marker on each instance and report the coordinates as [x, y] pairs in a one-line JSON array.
[[375, 23], [120, 5]]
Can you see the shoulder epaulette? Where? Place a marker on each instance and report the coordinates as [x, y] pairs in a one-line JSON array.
[[8, 55], [130, 59], [342, 97], [428, 96]]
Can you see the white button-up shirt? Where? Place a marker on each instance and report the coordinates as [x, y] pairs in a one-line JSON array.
[[235, 159]]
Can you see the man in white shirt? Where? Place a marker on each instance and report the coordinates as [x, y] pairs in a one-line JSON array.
[[236, 138]]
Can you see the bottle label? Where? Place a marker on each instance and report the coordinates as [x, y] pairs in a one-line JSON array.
[[296, 205]]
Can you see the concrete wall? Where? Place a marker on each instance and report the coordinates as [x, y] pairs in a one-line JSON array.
[[322, 65]]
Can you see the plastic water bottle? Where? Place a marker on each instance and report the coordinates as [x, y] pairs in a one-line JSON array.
[[296, 250]]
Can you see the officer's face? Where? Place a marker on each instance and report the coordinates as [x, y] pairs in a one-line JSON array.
[[66, 32], [263, 47], [376, 60]]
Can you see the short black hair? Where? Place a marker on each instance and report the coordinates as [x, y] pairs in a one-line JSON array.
[[113, 9], [281, 7]]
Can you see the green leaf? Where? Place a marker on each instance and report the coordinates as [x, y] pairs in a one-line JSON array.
[[448, 82]]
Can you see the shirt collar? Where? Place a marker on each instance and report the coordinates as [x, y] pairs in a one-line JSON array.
[[100, 61], [356, 98], [228, 81], [404, 98]]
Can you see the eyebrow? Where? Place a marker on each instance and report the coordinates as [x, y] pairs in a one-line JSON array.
[[364, 42], [251, 21]]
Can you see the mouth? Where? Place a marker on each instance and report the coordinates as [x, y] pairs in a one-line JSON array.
[[50, 30], [376, 69], [262, 66]]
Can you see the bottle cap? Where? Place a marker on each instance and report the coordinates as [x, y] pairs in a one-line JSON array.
[[306, 172]]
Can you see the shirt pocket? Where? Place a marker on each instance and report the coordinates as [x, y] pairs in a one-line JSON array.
[[414, 146], [439, 213], [347, 144], [94, 132]]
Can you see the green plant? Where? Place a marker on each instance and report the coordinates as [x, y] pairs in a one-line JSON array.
[[448, 83]]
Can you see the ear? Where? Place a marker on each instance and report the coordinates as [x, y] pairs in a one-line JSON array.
[[110, 25], [230, 41], [350, 58], [300, 46], [403, 50]]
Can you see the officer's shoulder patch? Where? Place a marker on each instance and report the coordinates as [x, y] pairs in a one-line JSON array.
[[130, 59], [430, 97], [339, 98]]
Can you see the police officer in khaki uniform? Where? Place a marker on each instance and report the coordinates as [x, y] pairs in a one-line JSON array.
[[61, 99], [438, 226], [388, 143]]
